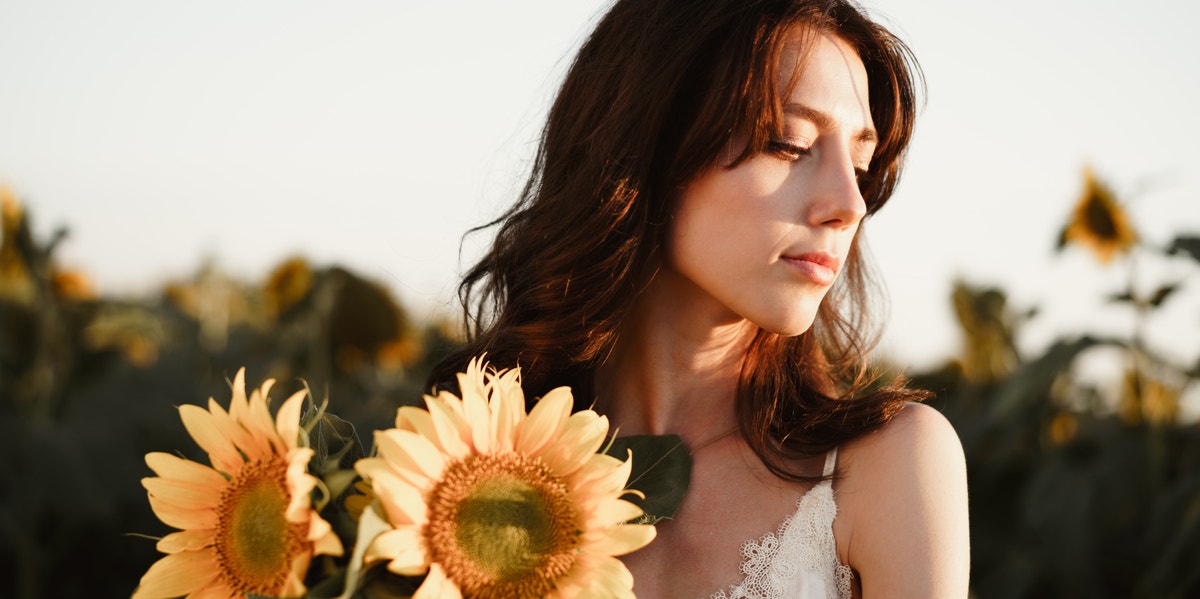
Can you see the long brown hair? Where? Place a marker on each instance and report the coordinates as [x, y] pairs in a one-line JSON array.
[[651, 101]]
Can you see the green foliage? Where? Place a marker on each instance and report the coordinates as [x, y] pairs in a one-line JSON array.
[[1076, 489], [668, 459], [89, 385]]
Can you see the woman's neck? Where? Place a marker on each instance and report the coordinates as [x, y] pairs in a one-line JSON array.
[[675, 365]]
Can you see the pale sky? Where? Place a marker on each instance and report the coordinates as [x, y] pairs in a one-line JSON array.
[[374, 134]]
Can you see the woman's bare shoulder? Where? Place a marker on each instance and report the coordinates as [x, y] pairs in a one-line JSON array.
[[902, 498]]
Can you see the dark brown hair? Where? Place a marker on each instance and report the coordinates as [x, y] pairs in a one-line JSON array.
[[652, 100]]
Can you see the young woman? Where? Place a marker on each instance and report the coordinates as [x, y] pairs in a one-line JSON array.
[[685, 256]]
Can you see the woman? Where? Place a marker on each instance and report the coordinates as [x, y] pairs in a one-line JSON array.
[[685, 256]]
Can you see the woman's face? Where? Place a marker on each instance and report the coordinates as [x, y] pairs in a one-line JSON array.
[[765, 240]]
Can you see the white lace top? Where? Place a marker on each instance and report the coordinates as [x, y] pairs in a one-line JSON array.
[[799, 561]]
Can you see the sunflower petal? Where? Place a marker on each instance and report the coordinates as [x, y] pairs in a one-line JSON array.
[[508, 411], [174, 467], [609, 577], [583, 434], [412, 418], [185, 540], [452, 434], [601, 475], [612, 512], [544, 422], [321, 535], [182, 518], [404, 547], [217, 590], [199, 424], [178, 574], [477, 419], [618, 540], [437, 585], [239, 437], [287, 420], [184, 494], [404, 504], [373, 468], [406, 450]]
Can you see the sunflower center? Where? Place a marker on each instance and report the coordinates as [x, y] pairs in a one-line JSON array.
[[254, 541], [1100, 220], [502, 526]]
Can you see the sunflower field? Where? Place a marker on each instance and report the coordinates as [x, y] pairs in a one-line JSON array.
[[1077, 489]]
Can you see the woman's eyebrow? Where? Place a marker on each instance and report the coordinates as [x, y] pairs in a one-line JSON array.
[[825, 121]]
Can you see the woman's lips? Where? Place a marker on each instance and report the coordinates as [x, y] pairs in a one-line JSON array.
[[820, 268]]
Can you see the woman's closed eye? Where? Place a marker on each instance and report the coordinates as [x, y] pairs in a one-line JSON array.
[[787, 150]]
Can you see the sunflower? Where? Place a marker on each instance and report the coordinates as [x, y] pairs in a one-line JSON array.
[[247, 523], [1099, 223], [488, 501]]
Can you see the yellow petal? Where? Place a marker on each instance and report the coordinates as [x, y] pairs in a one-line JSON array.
[[217, 590], [228, 425], [581, 437], [477, 419], [610, 512], [237, 400], [258, 419], [602, 475], [175, 467], [186, 495], [299, 484], [404, 504], [293, 586], [372, 468], [184, 519], [617, 540], [199, 424], [407, 450], [545, 420], [404, 547], [437, 586], [287, 420], [321, 535], [473, 382], [508, 411], [449, 399], [595, 577], [178, 574], [412, 418], [452, 433], [185, 540], [609, 577]]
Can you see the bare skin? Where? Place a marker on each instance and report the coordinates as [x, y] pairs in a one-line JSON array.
[[732, 267]]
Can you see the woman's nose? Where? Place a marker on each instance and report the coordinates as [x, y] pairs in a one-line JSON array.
[[836, 201]]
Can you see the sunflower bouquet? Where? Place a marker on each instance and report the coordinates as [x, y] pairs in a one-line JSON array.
[[471, 496]]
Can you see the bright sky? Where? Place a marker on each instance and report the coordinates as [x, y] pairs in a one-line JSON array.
[[374, 134]]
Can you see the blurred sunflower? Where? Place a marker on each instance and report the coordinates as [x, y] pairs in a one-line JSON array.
[[247, 523], [1099, 223], [488, 501]]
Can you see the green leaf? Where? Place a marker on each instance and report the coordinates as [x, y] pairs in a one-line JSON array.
[[335, 443], [662, 471]]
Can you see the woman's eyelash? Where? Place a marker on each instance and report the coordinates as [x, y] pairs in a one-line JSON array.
[[787, 150]]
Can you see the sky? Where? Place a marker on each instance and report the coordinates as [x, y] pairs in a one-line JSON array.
[[374, 134]]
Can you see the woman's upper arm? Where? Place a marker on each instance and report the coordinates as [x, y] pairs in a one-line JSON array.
[[904, 496]]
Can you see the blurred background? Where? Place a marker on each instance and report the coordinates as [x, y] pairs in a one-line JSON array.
[[189, 188]]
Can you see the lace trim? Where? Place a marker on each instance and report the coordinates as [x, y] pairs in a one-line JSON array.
[[798, 561]]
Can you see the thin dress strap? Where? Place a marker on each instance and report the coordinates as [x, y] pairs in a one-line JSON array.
[[830, 462]]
